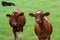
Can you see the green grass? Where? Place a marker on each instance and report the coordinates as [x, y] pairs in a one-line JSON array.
[[27, 6]]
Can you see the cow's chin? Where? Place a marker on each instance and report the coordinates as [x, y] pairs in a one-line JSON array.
[[39, 22], [14, 25]]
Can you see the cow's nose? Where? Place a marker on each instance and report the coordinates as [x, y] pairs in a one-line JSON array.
[[38, 20], [14, 24]]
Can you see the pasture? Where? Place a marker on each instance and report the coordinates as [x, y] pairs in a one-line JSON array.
[[27, 6]]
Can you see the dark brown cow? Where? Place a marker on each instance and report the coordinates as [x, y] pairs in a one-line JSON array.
[[17, 21], [43, 27]]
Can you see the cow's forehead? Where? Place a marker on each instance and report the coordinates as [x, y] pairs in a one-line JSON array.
[[13, 14], [39, 11], [18, 11]]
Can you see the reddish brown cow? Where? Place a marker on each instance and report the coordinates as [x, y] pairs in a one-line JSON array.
[[17, 21], [43, 27]]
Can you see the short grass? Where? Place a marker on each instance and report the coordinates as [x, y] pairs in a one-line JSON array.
[[27, 6]]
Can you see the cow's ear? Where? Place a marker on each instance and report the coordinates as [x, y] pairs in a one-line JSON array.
[[8, 15], [21, 14], [32, 15], [46, 14]]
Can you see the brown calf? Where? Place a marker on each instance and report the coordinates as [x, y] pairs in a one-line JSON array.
[[17, 21], [43, 27]]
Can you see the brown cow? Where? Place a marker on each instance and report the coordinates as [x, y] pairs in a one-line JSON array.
[[17, 21], [43, 27]]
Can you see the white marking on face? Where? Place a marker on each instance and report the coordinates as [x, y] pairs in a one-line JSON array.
[[19, 35], [39, 12]]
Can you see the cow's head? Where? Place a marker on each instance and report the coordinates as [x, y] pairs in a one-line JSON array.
[[14, 17], [39, 16]]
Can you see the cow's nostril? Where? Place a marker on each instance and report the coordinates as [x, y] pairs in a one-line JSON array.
[[37, 19], [14, 24], [40, 21]]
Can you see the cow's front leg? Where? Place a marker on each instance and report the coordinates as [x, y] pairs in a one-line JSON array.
[[20, 35], [15, 35], [39, 38], [48, 38]]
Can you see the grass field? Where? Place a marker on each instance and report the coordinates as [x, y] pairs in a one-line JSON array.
[[27, 6]]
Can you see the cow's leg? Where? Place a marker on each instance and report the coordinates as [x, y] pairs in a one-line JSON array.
[[15, 36], [39, 38], [20, 35], [48, 38]]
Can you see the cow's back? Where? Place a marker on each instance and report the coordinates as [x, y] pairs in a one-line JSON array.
[[22, 20], [47, 25]]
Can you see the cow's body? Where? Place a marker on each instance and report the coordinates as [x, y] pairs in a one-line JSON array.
[[7, 3], [44, 28], [17, 23]]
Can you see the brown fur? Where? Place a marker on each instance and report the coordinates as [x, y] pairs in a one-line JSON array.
[[20, 21], [44, 29]]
